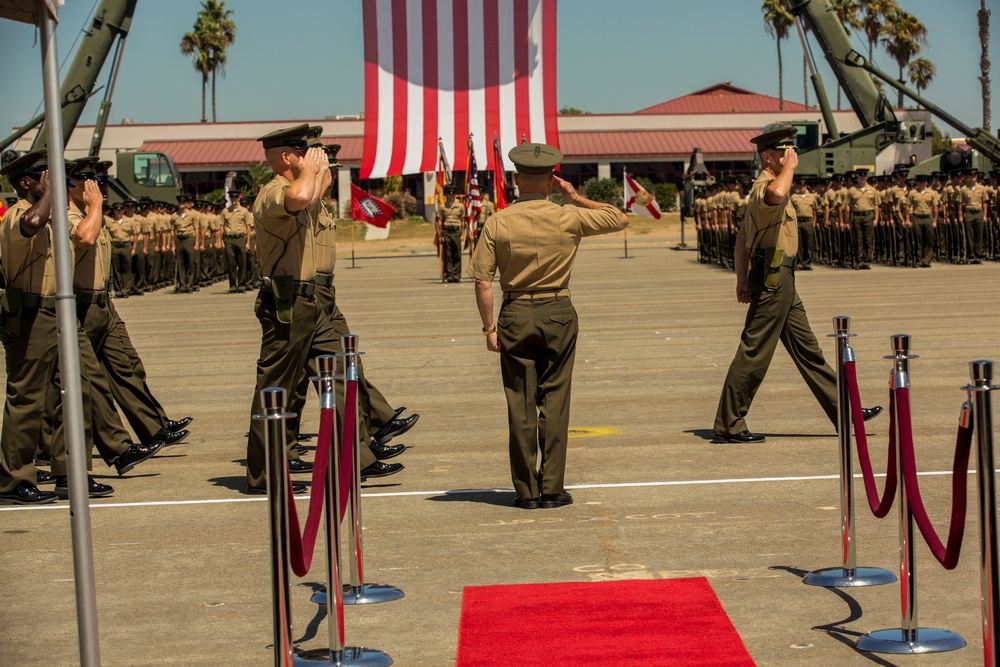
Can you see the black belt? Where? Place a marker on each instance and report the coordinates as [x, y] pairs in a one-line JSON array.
[[184, 237], [236, 236], [299, 287], [864, 213], [922, 216], [452, 228], [803, 218], [971, 209], [120, 244], [324, 279], [38, 301], [100, 298]]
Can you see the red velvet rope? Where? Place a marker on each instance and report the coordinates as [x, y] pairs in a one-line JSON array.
[[347, 444], [879, 506], [303, 544], [947, 556]]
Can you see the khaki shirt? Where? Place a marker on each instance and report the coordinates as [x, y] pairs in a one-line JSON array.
[[184, 225], [92, 269], [920, 203], [120, 230], [324, 230], [145, 224], [533, 242], [832, 200], [489, 208], [451, 216], [804, 205], [863, 200], [769, 226], [284, 244], [235, 220], [213, 222], [973, 198], [28, 263]]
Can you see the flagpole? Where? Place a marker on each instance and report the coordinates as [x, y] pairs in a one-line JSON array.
[[625, 201], [352, 245]]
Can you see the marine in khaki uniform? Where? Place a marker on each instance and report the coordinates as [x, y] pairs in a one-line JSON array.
[[536, 330], [805, 214], [184, 224], [122, 246], [863, 206], [488, 209], [973, 210], [451, 230], [831, 201], [921, 217], [235, 223], [765, 278]]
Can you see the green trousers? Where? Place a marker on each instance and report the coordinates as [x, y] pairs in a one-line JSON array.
[[537, 350], [284, 353], [236, 261], [187, 264], [123, 368], [451, 253], [773, 316]]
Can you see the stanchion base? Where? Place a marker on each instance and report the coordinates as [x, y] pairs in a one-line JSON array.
[[921, 640], [371, 593], [839, 577], [351, 655]]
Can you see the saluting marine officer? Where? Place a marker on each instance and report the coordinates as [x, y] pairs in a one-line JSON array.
[[766, 246], [536, 330]]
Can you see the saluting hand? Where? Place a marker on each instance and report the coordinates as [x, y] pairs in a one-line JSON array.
[[790, 160], [564, 187], [43, 181], [92, 195]]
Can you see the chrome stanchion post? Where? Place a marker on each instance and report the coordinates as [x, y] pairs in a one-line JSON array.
[[849, 574], [982, 410], [337, 653], [909, 638], [358, 592], [277, 505]]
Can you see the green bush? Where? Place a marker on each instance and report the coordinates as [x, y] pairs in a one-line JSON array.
[[666, 196], [404, 203], [604, 190]]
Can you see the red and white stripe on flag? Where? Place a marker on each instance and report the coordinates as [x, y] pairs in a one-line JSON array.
[[451, 68], [638, 200]]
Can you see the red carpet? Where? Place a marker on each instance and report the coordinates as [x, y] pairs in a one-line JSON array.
[[676, 622]]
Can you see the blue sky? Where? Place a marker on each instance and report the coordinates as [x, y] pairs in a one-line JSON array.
[[298, 59]]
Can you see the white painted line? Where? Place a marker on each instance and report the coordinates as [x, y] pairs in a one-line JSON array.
[[458, 492]]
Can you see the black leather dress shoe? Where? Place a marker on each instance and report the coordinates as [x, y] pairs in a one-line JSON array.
[[379, 469], [43, 477], [298, 465], [301, 449], [303, 437], [383, 452], [95, 488], [743, 437], [526, 503], [177, 424], [135, 455], [297, 489], [398, 411], [27, 493], [394, 428], [871, 413], [553, 500], [169, 437]]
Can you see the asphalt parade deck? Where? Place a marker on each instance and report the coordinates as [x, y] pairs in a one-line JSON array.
[[182, 554]]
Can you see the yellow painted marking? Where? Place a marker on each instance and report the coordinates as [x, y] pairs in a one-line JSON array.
[[595, 432]]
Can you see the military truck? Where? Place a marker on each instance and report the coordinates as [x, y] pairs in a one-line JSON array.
[[137, 174]]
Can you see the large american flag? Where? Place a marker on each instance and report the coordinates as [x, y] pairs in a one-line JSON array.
[[451, 68]]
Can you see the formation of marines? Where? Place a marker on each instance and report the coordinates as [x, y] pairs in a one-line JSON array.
[[853, 221], [188, 245]]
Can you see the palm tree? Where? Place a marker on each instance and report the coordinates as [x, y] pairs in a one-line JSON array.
[[196, 44], [223, 34], [921, 72], [874, 21], [777, 22], [258, 174], [904, 33], [849, 13], [984, 60]]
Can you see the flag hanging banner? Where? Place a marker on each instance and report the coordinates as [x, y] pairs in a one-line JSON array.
[[499, 176], [450, 68], [371, 209], [638, 200], [473, 200]]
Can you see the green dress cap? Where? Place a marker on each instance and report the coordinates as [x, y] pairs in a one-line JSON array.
[[34, 162], [779, 138], [535, 158], [296, 137]]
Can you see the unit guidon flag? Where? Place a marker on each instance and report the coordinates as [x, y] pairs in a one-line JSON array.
[[451, 68]]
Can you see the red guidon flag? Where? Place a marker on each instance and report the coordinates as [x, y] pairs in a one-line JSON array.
[[371, 209], [451, 68], [638, 200]]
